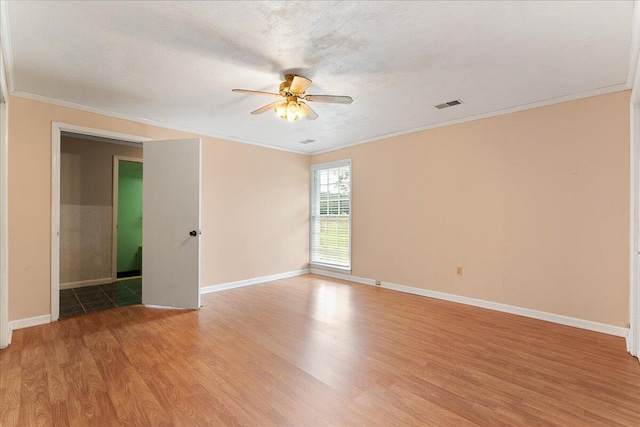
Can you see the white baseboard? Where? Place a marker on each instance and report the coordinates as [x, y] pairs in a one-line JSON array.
[[248, 282], [28, 322], [343, 276], [83, 283], [521, 311]]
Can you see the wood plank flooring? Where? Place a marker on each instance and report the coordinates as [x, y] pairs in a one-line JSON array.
[[312, 351]]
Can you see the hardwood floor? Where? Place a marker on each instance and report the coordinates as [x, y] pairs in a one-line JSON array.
[[315, 351]]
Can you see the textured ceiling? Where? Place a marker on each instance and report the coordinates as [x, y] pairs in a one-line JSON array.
[[176, 62]]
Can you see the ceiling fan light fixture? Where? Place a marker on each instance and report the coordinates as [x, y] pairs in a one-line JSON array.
[[290, 111], [292, 108]]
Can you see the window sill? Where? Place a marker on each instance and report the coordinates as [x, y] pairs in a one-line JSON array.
[[336, 269]]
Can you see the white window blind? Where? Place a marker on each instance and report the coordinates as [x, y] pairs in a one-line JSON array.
[[331, 214]]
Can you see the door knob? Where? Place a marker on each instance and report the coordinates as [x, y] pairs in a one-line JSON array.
[[193, 233]]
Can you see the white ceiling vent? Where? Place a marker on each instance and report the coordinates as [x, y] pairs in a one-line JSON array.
[[307, 141], [449, 104]]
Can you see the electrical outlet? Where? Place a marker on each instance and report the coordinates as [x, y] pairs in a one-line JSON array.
[[378, 283], [459, 271]]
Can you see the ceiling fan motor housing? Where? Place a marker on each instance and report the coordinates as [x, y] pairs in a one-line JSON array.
[[285, 88]]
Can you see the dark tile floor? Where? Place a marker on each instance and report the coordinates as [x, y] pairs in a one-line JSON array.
[[93, 298]]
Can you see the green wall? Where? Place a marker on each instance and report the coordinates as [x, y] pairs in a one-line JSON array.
[[129, 216]]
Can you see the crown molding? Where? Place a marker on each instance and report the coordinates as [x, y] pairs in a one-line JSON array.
[[5, 43], [635, 45], [601, 91], [196, 132], [587, 94]]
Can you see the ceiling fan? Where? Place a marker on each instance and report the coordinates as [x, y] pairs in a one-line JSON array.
[[293, 90]]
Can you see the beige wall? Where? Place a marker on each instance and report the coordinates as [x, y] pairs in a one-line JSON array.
[[533, 205], [254, 204], [86, 170]]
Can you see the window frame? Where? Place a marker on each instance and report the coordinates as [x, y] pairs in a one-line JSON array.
[[312, 193]]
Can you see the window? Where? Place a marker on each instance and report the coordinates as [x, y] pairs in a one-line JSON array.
[[331, 215]]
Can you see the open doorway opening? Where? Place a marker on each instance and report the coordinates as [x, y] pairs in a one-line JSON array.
[[83, 274], [100, 224]]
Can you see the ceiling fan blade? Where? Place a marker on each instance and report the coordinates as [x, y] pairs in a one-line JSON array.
[[299, 85], [255, 92], [267, 107], [330, 99], [309, 114]]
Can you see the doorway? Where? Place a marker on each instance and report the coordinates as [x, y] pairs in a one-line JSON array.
[[91, 175], [171, 220], [91, 200]]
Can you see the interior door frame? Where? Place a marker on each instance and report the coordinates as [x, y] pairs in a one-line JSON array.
[[633, 340], [5, 332], [56, 134], [114, 215]]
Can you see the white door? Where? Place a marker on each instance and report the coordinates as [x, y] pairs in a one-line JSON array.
[[171, 223]]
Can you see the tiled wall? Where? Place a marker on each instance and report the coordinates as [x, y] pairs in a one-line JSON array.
[[85, 243]]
